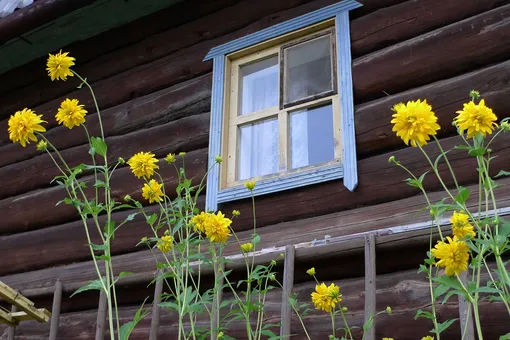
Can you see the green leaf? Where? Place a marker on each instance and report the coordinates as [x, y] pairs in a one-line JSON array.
[[152, 218], [256, 239], [476, 151], [101, 247], [423, 314], [98, 146], [505, 337], [99, 184], [503, 173], [441, 327], [462, 196], [94, 285], [128, 327]]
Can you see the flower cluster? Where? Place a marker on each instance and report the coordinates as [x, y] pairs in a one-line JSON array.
[[216, 227], [326, 298], [24, 125]]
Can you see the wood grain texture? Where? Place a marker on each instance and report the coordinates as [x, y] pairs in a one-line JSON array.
[[372, 120], [405, 20], [439, 54], [365, 219], [123, 183], [405, 291], [186, 134]]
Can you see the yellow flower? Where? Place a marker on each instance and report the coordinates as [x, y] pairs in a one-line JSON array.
[[58, 66], [71, 113], [198, 221], [165, 243], [170, 158], [246, 247], [453, 255], [414, 122], [143, 164], [461, 226], [250, 185], [326, 297], [23, 125], [311, 271], [476, 119], [152, 191], [428, 337], [217, 227], [42, 145]]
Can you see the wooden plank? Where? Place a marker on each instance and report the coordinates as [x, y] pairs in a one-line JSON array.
[[393, 24], [55, 310], [186, 99], [156, 309], [101, 316], [24, 305], [370, 284], [186, 134], [288, 284], [406, 291], [467, 330], [216, 312], [19, 216], [6, 318], [12, 330], [439, 54]]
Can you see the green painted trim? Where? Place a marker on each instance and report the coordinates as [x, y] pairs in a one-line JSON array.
[[78, 25]]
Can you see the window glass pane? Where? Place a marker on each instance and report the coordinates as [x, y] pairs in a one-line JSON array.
[[259, 86], [311, 136], [307, 69], [258, 149]]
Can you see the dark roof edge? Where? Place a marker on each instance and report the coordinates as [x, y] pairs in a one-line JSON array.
[[37, 14]]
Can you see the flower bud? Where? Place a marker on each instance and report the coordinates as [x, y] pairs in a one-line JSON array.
[[170, 158], [236, 213], [218, 159], [344, 309], [391, 159], [127, 198], [250, 185], [121, 160], [42, 145], [311, 271], [182, 154], [388, 310]]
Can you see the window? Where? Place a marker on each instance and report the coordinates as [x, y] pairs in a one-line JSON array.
[[282, 111]]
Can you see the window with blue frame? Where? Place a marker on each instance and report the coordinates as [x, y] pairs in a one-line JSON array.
[[282, 107]]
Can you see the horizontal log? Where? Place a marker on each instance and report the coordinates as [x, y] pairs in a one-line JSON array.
[[439, 54], [123, 183], [378, 182], [153, 64], [377, 217], [186, 134], [405, 292], [151, 44], [186, 99], [372, 120], [107, 42], [393, 24]]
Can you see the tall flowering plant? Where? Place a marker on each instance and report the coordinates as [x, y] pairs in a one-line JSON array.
[[477, 233]]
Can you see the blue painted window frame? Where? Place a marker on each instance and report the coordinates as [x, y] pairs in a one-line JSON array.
[[347, 169]]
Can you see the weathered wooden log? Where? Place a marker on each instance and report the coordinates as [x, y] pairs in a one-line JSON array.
[[186, 134], [186, 99], [108, 42], [439, 54], [244, 18], [374, 130], [405, 292], [182, 58], [391, 25], [42, 202], [387, 215], [378, 182]]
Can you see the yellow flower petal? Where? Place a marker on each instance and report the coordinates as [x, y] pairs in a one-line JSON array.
[[71, 113], [59, 66], [414, 122], [23, 125], [152, 191], [476, 118], [143, 164]]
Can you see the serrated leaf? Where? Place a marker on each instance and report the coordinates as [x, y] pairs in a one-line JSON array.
[[503, 173]]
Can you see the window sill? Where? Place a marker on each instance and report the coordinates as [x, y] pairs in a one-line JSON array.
[[284, 182]]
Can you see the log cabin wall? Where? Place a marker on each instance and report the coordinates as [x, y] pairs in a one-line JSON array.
[[154, 92]]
